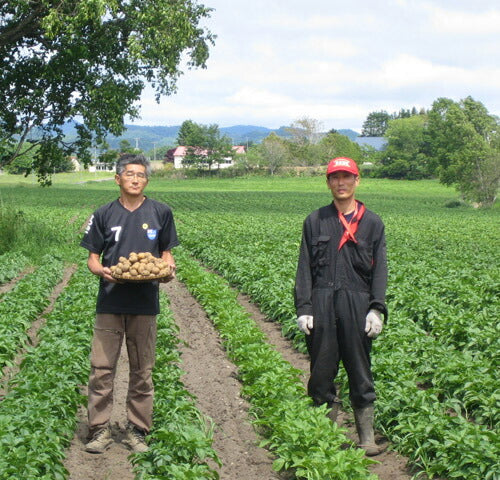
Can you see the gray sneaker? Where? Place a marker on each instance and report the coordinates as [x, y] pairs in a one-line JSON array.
[[100, 441], [136, 439]]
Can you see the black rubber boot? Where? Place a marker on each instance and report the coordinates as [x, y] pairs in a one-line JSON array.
[[364, 425], [333, 413]]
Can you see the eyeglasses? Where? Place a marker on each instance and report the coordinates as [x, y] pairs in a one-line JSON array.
[[138, 175]]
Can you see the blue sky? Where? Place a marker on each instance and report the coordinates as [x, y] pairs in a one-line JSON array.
[[334, 61]]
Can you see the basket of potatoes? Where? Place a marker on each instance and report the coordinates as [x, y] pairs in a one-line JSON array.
[[141, 267]]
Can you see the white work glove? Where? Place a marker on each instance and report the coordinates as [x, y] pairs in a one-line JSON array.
[[305, 323], [373, 323]]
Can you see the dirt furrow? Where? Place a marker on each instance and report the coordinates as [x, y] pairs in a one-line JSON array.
[[9, 372], [211, 377], [112, 464], [392, 466], [7, 287]]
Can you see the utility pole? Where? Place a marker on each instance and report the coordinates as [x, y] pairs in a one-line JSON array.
[[154, 151]]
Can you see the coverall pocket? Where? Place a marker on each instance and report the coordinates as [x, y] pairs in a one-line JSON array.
[[362, 258], [319, 251]]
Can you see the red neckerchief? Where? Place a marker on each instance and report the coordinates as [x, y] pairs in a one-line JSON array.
[[351, 227]]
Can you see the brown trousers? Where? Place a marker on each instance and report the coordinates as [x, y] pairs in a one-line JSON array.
[[140, 335]]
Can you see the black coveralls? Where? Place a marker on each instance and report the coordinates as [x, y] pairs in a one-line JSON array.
[[338, 288]]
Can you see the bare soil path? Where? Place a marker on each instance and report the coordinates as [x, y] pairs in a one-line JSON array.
[[113, 464], [212, 378], [392, 466]]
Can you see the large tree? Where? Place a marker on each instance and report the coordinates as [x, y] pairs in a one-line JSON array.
[[303, 145], [376, 124], [464, 146], [404, 155], [205, 144], [338, 145], [190, 134], [89, 61], [275, 153]]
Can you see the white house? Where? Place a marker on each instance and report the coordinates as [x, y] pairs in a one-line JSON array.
[[177, 156]]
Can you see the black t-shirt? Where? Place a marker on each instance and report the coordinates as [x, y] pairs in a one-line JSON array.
[[114, 231]]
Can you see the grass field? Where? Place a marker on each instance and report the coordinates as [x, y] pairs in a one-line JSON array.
[[436, 363]]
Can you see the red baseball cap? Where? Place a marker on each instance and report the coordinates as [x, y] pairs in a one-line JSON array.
[[342, 164]]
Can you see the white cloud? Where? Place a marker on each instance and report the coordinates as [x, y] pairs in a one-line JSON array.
[[336, 61], [461, 22], [327, 46], [406, 71], [257, 98]]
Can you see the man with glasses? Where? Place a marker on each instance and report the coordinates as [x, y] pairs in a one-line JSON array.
[[132, 223]]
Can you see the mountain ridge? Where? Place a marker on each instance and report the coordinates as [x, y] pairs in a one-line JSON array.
[[148, 137]]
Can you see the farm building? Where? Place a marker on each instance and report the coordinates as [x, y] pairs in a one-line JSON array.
[[177, 155]]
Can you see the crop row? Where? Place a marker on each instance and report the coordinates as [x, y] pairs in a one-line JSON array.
[[23, 304], [181, 438], [11, 264], [302, 437], [425, 422], [451, 353], [38, 414]]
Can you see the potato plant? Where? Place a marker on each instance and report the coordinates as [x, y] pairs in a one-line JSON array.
[[181, 438], [38, 414], [441, 344], [303, 439], [23, 304], [11, 264]]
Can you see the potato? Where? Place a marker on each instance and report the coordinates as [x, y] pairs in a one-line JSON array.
[[140, 266]]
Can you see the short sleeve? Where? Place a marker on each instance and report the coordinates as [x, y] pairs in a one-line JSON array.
[[93, 238]]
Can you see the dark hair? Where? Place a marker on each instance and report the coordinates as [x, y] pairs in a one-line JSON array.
[[137, 159]]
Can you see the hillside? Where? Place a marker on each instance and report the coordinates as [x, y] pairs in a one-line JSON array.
[[148, 137]]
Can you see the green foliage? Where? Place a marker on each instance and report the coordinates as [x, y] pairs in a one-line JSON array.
[[181, 438], [337, 145], [22, 164], [27, 232], [11, 264], [301, 436], [404, 155], [91, 60], [11, 222], [375, 124], [205, 147], [435, 363], [23, 304], [464, 146], [438, 355], [275, 153], [38, 414]]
